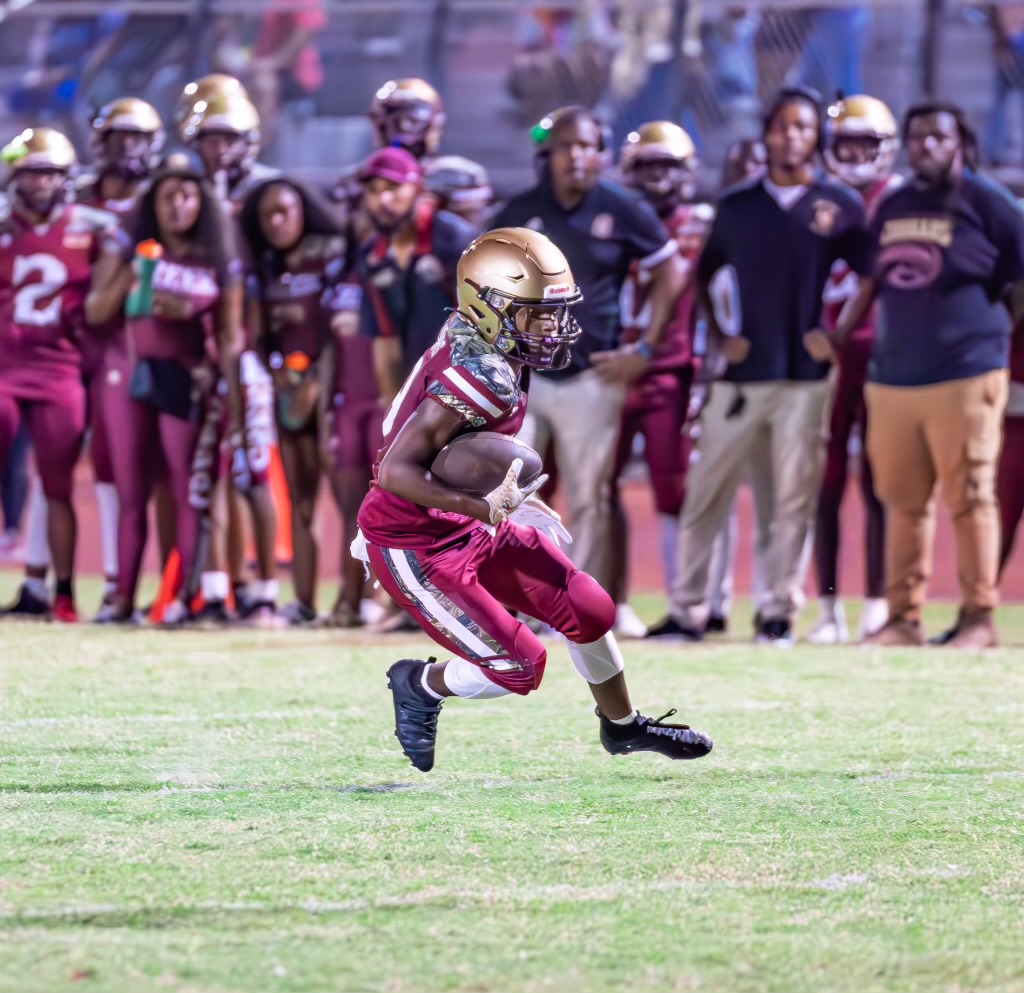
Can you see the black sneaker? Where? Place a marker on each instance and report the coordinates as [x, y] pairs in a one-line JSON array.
[[775, 631], [717, 624], [675, 741], [415, 712], [212, 615], [671, 630], [27, 606]]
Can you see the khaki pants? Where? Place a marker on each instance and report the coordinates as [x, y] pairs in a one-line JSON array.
[[790, 421], [582, 416], [944, 437]]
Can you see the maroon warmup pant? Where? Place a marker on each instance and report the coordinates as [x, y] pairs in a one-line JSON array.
[[144, 442], [849, 410], [1010, 485]]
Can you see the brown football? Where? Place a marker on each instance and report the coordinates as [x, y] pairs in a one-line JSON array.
[[478, 462]]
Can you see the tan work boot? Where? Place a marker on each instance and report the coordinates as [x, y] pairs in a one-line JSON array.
[[898, 632], [975, 631]]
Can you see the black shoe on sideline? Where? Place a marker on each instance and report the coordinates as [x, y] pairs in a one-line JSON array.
[[717, 624], [671, 630], [27, 606]]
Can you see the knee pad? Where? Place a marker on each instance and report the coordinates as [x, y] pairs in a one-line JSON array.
[[593, 610], [599, 661]]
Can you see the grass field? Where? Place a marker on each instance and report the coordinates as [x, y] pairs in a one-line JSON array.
[[188, 812]]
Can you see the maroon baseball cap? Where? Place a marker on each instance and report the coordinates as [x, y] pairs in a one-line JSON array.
[[394, 164]]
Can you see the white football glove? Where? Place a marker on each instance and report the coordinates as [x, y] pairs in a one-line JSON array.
[[535, 513], [507, 496]]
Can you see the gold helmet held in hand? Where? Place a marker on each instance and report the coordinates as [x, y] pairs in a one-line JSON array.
[[861, 140], [515, 287]]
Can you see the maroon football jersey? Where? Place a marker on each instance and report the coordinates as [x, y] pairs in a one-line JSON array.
[[111, 334], [842, 280], [192, 288], [688, 225], [298, 304], [45, 274], [461, 372]]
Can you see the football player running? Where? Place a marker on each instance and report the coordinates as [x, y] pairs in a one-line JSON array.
[[861, 145], [460, 564]]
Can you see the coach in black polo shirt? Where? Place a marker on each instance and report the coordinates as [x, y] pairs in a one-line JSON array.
[[602, 229], [764, 266]]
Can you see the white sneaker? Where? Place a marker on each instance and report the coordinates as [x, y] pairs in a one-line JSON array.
[[627, 624], [371, 612], [831, 628], [873, 617]]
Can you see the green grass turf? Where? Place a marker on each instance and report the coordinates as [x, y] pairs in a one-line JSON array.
[[229, 812]]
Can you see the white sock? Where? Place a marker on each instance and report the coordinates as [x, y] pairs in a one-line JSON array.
[[108, 507], [214, 586], [426, 685], [469, 681], [669, 548], [828, 608], [630, 718], [598, 661], [37, 538], [265, 590]]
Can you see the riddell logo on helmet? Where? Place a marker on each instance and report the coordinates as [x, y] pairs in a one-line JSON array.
[[558, 290]]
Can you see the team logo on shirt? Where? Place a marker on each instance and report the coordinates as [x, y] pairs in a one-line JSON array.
[[825, 215], [602, 226], [911, 256]]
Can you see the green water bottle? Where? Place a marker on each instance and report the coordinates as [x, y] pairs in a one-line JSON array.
[[140, 299]]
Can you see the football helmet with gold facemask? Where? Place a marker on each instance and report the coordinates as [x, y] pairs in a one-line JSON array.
[[408, 113], [40, 163], [515, 287], [861, 140], [660, 160], [127, 138]]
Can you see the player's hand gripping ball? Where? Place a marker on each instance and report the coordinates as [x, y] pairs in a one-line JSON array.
[[480, 463]]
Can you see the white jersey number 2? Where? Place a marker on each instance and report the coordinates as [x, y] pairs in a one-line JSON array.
[[49, 276]]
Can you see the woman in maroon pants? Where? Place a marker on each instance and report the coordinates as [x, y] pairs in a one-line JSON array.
[[156, 394], [298, 260]]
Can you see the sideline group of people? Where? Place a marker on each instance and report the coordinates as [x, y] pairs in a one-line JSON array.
[[191, 312]]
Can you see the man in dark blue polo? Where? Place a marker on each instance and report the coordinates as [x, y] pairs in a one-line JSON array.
[[764, 266], [602, 229]]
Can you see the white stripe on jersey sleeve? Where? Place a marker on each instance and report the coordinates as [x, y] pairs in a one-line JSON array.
[[656, 258], [470, 392]]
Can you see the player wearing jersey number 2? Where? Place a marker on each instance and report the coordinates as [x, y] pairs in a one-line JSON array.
[[459, 563]]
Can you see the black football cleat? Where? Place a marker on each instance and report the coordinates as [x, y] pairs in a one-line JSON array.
[[669, 629], [28, 606], [415, 713], [675, 741]]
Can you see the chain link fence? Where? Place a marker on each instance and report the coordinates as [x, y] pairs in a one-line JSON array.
[[500, 64]]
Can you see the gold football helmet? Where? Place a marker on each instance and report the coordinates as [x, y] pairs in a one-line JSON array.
[[138, 137], [861, 140], [196, 97], [508, 270], [40, 148], [409, 113], [660, 160]]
